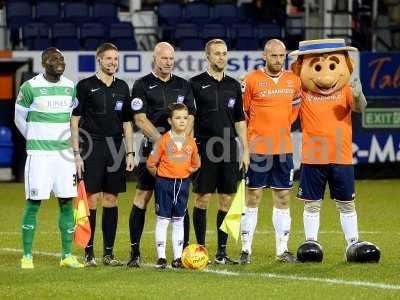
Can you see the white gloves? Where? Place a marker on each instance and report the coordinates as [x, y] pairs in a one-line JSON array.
[[356, 87]]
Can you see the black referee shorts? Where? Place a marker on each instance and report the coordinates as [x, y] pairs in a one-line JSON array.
[[145, 181], [103, 172], [219, 169]]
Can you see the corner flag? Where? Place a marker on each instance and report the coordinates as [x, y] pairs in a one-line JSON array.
[[81, 213], [231, 223]]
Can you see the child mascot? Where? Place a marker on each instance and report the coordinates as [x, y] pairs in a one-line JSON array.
[[328, 98]]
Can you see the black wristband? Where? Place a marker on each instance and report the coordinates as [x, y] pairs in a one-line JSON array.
[[133, 153]]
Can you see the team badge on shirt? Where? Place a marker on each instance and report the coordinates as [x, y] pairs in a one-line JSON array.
[[231, 102], [136, 104], [180, 99]]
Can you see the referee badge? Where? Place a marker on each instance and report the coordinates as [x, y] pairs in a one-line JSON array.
[[231, 102], [180, 99], [136, 104], [118, 105]]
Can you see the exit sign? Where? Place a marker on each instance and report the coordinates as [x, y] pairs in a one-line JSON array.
[[381, 118]]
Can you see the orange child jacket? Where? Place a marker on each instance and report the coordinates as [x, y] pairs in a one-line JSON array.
[[172, 161], [326, 127], [271, 107]]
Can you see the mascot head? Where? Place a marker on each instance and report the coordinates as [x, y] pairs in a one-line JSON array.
[[324, 66]]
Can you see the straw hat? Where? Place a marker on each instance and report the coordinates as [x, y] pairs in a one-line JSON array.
[[321, 46]]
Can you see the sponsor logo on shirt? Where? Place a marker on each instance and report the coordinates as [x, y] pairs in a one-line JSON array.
[[274, 92], [180, 99]]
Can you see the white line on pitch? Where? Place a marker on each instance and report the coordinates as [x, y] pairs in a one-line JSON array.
[[213, 231], [263, 275]]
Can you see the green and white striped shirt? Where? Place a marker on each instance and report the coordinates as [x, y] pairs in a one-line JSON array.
[[49, 106]]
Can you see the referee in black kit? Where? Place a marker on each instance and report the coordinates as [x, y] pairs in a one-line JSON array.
[[219, 121], [104, 118], [151, 96]]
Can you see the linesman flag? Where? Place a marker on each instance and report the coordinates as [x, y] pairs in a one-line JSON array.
[[81, 214], [231, 223]]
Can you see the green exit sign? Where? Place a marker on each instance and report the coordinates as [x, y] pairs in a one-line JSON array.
[[381, 118]]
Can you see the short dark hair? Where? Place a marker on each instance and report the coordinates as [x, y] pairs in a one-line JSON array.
[[47, 51], [105, 47], [176, 106]]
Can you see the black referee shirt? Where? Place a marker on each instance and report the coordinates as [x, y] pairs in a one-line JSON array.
[[219, 105], [102, 109], [152, 96]]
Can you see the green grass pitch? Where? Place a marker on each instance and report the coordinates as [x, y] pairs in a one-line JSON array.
[[378, 215]]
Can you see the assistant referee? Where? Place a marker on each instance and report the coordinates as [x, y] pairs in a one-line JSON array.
[[219, 126], [103, 114]]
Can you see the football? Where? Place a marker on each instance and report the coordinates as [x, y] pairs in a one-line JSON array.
[[195, 257]]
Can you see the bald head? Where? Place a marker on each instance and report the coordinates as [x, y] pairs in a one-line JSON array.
[[162, 47], [273, 44], [164, 58], [274, 55]]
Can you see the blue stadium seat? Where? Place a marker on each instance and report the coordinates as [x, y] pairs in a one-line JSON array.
[[211, 31], [247, 13], [36, 36], [6, 147], [92, 35], [225, 13], [169, 14], [198, 12], [65, 36], [191, 44], [105, 13], [268, 31], [123, 36], [185, 31], [18, 14], [76, 12], [48, 12], [244, 37]]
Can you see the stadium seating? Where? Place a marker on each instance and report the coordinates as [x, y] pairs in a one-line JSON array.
[[122, 35], [18, 14], [169, 14], [198, 13], [65, 36], [48, 12], [36, 36], [225, 13], [186, 36], [105, 13], [244, 37], [268, 31], [92, 34], [76, 12], [211, 31]]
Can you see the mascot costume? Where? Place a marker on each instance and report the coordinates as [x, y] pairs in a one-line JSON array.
[[328, 98]]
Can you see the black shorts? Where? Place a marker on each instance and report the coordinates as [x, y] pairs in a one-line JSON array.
[[103, 172], [145, 181], [219, 169]]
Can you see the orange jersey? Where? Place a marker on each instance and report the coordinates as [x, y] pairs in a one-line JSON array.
[[173, 161], [326, 127], [271, 108]]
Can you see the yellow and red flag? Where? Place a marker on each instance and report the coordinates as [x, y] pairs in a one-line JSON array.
[[81, 217], [231, 223]]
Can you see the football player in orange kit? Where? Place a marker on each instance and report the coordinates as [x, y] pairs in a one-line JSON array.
[[271, 99]]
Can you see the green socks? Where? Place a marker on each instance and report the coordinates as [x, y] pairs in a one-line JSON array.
[[29, 225], [66, 226]]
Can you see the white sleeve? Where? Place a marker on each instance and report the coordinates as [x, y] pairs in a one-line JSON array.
[[21, 113]]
